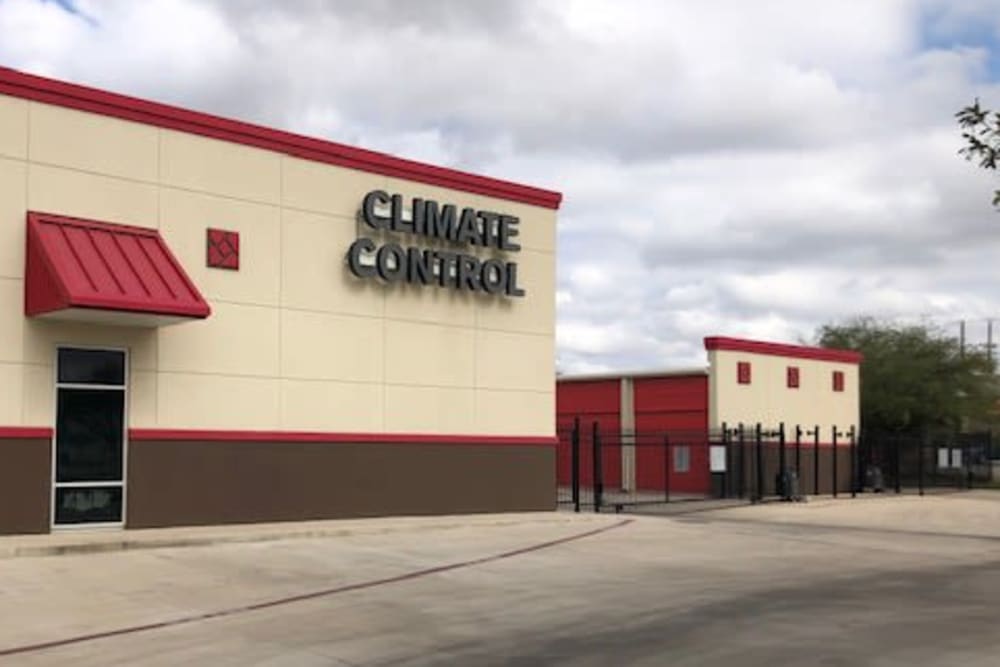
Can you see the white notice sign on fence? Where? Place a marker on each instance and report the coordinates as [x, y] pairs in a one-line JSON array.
[[944, 460], [717, 458]]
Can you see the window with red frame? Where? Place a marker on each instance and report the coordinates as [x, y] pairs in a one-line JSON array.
[[792, 377], [743, 372], [838, 380]]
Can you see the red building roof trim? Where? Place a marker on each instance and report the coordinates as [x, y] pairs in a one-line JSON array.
[[633, 375], [25, 433], [782, 350], [77, 263], [202, 435], [93, 100]]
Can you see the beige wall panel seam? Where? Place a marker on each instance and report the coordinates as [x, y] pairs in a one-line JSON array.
[[313, 311], [13, 202], [281, 259], [475, 359], [35, 364], [27, 139], [159, 225], [499, 390], [17, 160], [404, 320], [338, 217], [16, 371], [91, 172], [159, 188], [449, 387], [433, 385], [20, 116], [254, 376], [384, 419], [327, 380], [521, 332], [12, 334], [219, 195]]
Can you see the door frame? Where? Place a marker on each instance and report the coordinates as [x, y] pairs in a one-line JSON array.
[[103, 525]]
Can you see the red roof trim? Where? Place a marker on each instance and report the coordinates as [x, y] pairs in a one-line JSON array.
[[25, 433], [180, 435], [782, 350], [631, 375], [51, 284], [93, 100]]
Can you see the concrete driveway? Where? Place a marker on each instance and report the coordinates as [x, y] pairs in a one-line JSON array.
[[874, 581]]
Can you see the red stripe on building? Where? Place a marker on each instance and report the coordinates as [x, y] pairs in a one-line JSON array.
[[782, 349], [25, 433]]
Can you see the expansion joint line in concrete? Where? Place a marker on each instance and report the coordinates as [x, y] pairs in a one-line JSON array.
[[302, 597]]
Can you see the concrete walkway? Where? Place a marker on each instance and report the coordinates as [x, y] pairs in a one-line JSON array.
[[886, 582]]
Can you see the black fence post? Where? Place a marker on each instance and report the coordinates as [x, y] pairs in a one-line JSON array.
[[782, 463], [575, 464], [598, 470], [896, 463], [781, 449], [741, 444], [726, 490], [834, 455], [989, 454], [967, 463], [798, 451], [816, 460], [920, 466], [666, 468], [759, 463], [854, 461]]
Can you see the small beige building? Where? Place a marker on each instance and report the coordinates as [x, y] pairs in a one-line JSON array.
[[806, 393], [751, 382], [206, 321]]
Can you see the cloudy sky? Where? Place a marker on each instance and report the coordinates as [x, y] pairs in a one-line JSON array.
[[729, 167]]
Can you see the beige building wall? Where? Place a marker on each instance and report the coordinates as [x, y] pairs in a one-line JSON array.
[[294, 342], [768, 399]]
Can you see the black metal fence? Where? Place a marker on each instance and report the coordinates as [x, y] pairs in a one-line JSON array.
[[613, 470], [926, 461]]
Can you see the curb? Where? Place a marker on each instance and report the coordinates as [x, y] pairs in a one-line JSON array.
[[165, 538]]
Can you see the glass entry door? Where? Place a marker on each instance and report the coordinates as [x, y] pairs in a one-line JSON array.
[[89, 457]]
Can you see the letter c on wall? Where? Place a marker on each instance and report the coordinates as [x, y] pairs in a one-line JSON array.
[[372, 199], [354, 258]]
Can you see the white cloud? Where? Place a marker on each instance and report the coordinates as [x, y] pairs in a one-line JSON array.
[[736, 168]]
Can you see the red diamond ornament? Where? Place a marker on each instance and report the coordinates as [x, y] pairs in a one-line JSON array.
[[223, 249]]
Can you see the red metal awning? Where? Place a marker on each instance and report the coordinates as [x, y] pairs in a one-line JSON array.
[[102, 272]]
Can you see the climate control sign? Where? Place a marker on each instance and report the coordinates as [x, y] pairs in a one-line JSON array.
[[451, 265]]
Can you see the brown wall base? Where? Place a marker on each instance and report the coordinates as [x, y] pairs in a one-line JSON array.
[[173, 483], [25, 485]]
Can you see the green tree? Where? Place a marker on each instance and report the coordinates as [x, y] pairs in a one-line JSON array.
[[916, 377], [981, 132]]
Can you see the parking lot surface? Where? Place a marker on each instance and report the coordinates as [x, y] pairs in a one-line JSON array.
[[874, 581]]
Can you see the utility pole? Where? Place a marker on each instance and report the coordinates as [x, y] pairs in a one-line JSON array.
[[989, 341], [961, 338]]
